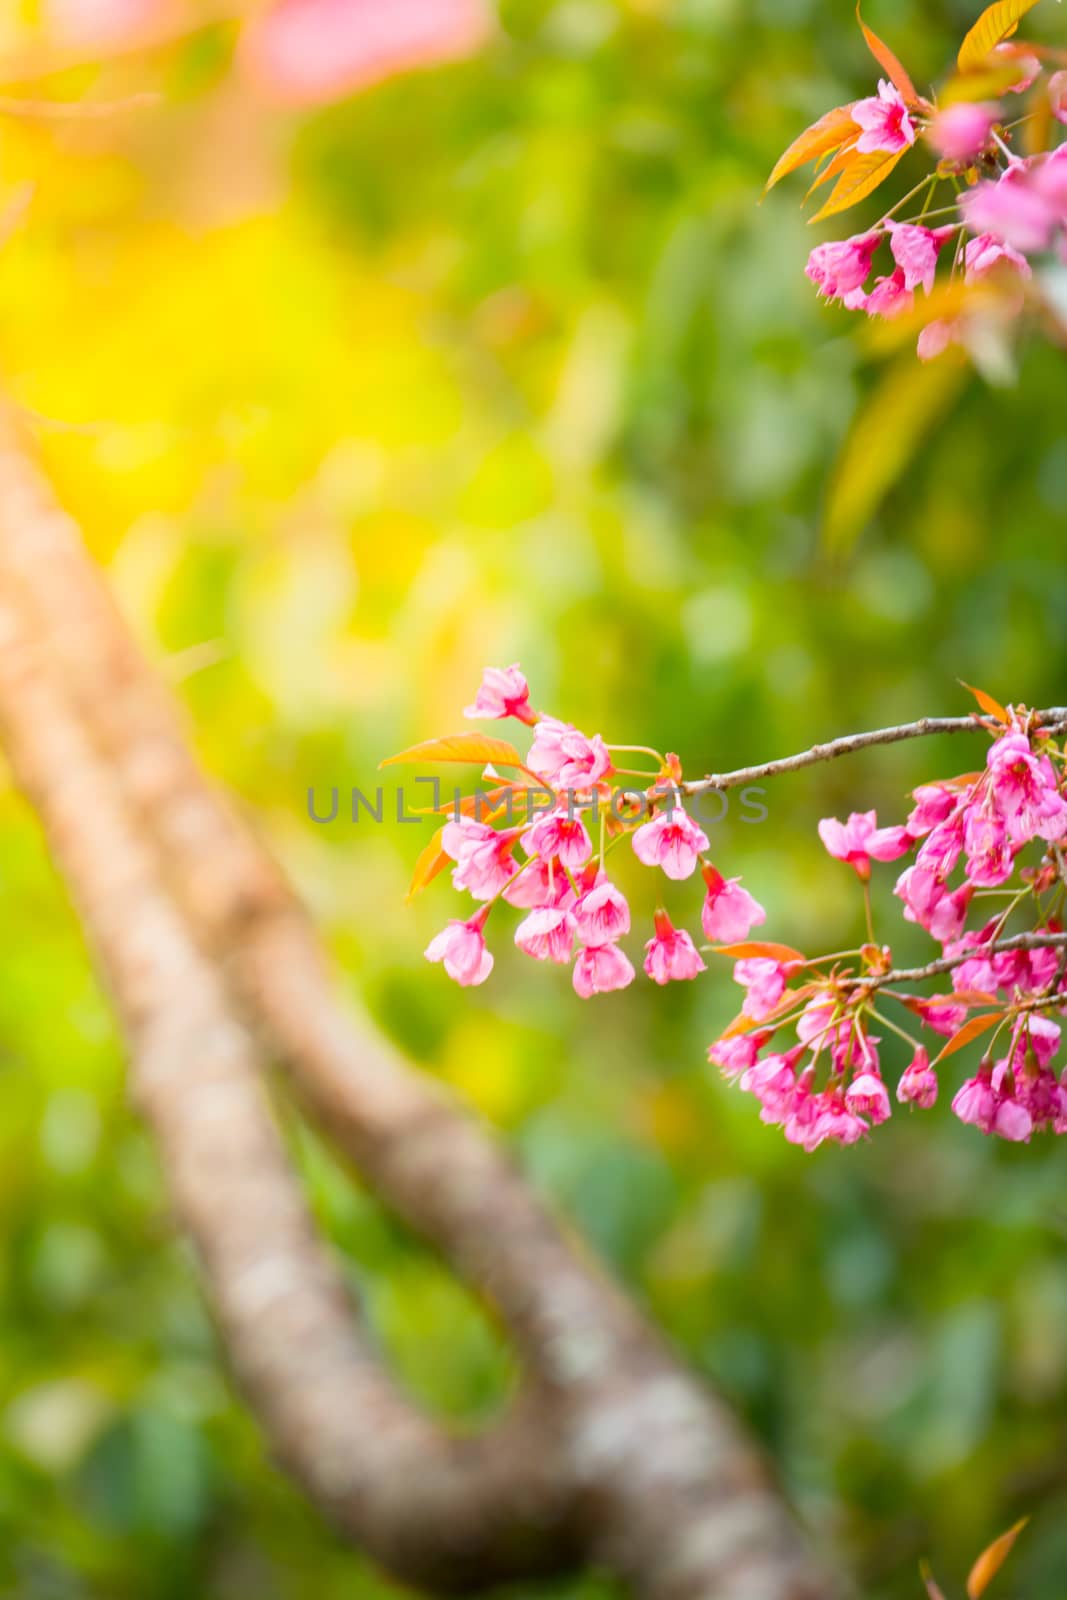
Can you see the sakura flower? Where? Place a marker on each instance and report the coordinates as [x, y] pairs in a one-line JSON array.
[[601, 968], [461, 946], [840, 268], [1057, 95], [918, 1083], [557, 835], [859, 841], [987, 254], [975, 1102], [729, 913], [585, 761], [547, 754], [890, 296], [504, 692], [934, 803], [483, 856], [547, 934], [671, 954], [1012, 1120], [929, 902], [828, 1118], [961, 132], [941, 1014], [915, 251], [673, 841], [1011, 209], [990, 857], [737, 1055], [765, 982], [773, 1081], [867, 1096], [884, 121], [1025, 790], [602, 915], [540, 883]]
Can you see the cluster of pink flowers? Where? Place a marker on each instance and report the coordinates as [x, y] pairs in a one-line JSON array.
[[987, 210], [968, 836], [548, 865]]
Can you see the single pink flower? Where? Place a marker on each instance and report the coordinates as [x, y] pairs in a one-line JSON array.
[[602, 915], [600, 969], [729, 913], [942, 1014], [539, 883], [840, 268], [859, 841], [867, 1096], [547, 754], [585, 761], [1011, 209], [976, 1104], [547, 934], [483, 856], [918, 1083], [884, 122], [461, 946], [672, 841], [986, 254], [737, 1055], [1012, 1121], [765, 981], [934, 804], [561, 837], [774, 1084], [961, 132], [890, 296], [1025, 789], [671, 954], [311, 51], [916, 250], [990, 857], [929, 902], [504, 692], [830, 1118]]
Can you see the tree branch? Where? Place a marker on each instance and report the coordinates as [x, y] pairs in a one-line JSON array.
[[943, 964], [665, 1490], [1053, 721]]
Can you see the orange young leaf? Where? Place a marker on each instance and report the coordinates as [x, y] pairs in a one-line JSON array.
[[888, 62], [791, 997], [431, 861], [861, 177], [970, 1030], [760, 949], [997, 22], [459, 747], [830, 131], [991, 707], [990, 1561], [832, 168]]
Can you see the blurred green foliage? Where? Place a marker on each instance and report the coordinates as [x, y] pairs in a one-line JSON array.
[[505, 362]]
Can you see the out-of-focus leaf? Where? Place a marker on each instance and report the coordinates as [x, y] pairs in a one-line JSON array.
[[997, 22], [969, 1032], [888, 430], [830, 131], [467, 747], [432, 860], [991, 1560], [861, 177], [889, 63], [983, 83], [991, 707]]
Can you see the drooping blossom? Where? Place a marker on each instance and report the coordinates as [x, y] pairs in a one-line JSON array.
[[585, 761], [960, 133], [1011, 208], [840, 268], [1026, 790], [673, 841], [547, 934], [884, 122], [729, 913], [503, 692], [671, 953], [558, 836], [916, 250], [461, 946], [918, 1083], [602, 915], [601, 968], [764, 979], [483, 856]]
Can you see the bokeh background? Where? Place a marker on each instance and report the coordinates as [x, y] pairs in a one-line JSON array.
[[500, 361]]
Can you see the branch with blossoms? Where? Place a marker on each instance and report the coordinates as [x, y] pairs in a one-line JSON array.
[[987, 881], [995, 212]]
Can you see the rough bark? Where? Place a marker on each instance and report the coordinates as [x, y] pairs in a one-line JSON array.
[[617, 1452]]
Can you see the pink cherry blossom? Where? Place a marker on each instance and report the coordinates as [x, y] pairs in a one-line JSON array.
[[884, 121], [547, 755], [929, 902], [859, 841], [483, 856], [1011, 209], [867, 1096], [737, 1055], [600, 969], [986, 254], [602, 915], [673, 841], [729, 913], [309, 51], [671, 954], [547, 934], [585, 761], [504, 692], [890, 296], [918, 1083], [961, 132], [1029, 67], [1012, 1120], [765, 982], [1025, 790], [916, 250], [560, 836], [540, 883], [461, 946], [990, 857], [934, 804], [975, 1103], [840, 268], [1057, 95]]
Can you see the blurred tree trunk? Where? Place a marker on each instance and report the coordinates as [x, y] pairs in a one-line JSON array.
[[612, 1453]]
